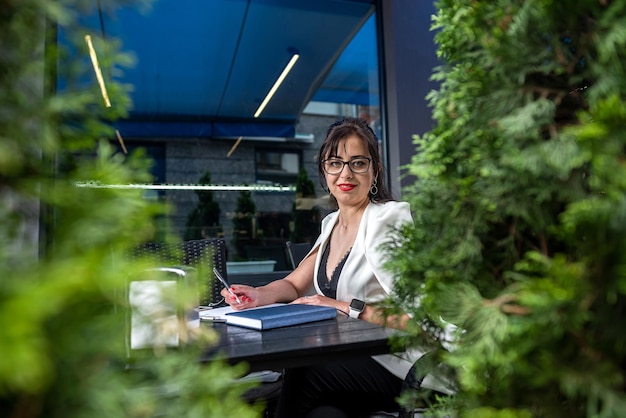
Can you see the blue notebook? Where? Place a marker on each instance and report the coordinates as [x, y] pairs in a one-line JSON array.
[[279, 316]]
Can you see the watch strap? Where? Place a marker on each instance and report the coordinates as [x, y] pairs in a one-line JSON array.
[[354, 313]]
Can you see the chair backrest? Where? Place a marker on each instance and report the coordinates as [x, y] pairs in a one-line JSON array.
[[297, 252], [201, 255]]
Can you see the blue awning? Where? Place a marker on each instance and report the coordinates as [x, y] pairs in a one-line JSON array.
[[204, 66], [355, 73]]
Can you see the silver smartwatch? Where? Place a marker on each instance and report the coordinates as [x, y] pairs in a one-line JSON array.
[[356, 307]]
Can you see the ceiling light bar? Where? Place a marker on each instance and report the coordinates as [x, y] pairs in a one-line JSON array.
[[121, 141], [234, 147], [277, 84], [96, 68], [212, 187]]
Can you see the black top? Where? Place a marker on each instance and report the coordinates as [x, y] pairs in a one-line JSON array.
[[329, 287]]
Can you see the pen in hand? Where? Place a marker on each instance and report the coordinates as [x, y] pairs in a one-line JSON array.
[[221, 279]]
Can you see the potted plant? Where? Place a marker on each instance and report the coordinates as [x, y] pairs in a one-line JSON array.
[[243, 222], [306, 216], [204, 220]]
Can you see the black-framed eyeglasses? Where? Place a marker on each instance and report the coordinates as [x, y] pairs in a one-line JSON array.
[[357, 165]]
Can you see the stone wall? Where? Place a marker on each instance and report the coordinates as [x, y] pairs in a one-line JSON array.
[[187, 159]]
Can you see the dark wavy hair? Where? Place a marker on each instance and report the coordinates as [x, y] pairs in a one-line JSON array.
[[357, 127]]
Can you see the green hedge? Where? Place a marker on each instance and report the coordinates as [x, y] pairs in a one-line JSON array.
[[520, 209], [62, 322]]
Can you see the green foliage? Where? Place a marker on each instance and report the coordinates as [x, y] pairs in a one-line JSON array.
[[520, 206], [62, 311], [203, 221], [306, 220], [242, 222]]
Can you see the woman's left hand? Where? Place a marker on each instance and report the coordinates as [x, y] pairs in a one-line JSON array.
[[319, 300]]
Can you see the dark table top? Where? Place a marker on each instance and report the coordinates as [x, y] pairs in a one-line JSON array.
[[298, 345]]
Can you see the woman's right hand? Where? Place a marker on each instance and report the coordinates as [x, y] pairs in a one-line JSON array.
[[283, 290], [248, 296]]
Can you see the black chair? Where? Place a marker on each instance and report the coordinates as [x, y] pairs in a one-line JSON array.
[[412, 382], [201, 255], [425, 365], [297, 252]]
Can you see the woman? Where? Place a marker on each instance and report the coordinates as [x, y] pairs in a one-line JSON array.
[[345, 266]]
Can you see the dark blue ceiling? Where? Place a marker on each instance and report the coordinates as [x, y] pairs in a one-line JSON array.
[[204, 66]]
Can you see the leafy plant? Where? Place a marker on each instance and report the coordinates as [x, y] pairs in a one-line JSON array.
[[306, 220], [243, 222], [203, 221], [62, 321], [519, 203]]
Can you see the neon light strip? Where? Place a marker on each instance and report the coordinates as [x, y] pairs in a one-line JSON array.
[[277, 84], [213, 187], [96, 68]]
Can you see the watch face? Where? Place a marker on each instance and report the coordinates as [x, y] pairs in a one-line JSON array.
[[357, 305]]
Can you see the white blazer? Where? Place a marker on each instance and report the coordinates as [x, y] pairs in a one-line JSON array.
[[363, 276]]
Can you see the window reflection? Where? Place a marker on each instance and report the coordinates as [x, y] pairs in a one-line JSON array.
[[257, 223], [275, 166]]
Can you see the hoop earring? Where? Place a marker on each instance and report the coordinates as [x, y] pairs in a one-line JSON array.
[[374, 189]]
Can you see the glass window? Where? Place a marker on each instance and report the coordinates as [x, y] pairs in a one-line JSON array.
[[273, 166], [224, 179]]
